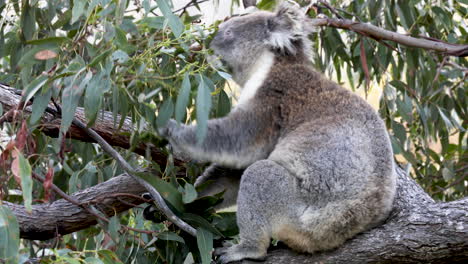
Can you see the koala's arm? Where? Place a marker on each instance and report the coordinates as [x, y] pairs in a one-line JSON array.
[[234, 141]]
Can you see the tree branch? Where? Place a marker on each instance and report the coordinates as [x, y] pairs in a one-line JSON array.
[[64, 217], [379, 34]]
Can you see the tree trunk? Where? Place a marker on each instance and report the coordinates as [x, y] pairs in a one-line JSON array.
[[419, 230]]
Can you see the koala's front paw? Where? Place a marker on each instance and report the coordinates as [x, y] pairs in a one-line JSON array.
[[168, 130], [232, 253]]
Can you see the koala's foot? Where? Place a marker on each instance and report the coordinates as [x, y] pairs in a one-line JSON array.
[[231, 253]]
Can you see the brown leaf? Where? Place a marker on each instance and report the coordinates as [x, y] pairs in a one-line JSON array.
[[6, 153], [15, 165], [49, 178], [22, 136], [364, 65], [45, 55]]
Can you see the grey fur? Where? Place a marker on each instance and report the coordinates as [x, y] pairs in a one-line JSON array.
[[319, 164]]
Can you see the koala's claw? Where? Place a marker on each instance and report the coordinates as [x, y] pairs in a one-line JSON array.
[[228, 254]]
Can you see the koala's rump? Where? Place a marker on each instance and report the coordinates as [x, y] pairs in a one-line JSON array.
[[334, 162]]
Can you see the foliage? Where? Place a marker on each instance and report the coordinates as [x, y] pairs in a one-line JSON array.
[[424, 100], [137, 59]]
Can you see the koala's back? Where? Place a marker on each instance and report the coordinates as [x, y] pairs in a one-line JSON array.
[[335, 148]]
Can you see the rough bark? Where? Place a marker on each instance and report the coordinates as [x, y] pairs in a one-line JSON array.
[[62, 217], [419, 229]]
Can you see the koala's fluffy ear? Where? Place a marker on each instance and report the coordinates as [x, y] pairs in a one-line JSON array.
[[286, 26]]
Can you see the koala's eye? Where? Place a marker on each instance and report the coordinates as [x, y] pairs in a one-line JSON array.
[[228, 33]]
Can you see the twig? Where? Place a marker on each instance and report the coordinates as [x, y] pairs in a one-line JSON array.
[[189, 4], [329, 7]]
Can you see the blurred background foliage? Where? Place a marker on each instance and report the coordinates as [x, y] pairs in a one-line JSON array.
[[148, 61]]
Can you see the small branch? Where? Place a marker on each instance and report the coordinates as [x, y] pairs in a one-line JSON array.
[[189, 4], [329, 7], [377, 33]]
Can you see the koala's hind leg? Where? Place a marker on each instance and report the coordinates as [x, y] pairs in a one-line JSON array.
[[263, 203]]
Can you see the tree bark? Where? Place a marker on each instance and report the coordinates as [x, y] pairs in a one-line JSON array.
[[62, 217], [419, 230]]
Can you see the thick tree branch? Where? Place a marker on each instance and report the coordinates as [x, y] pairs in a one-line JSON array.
[[63, 217], [377, 33]]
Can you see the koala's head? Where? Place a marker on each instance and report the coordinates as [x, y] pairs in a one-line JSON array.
[[241, 40]]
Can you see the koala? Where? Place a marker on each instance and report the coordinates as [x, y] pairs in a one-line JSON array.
[[316, 160]]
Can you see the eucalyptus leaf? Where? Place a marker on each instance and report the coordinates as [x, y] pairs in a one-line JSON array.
[[165, 113], [9, 235], [26, 181], [205, 245], [203, 109], [174, 21], [182, 98]]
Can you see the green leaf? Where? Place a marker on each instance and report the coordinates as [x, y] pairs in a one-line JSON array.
[[205, 245], [182, 98], [165, 112], [198, 221], [190, 194], [226, 223], [225, 75], [448, 123], [266, 5], [78, 10], [224, 104], [9, 235], [203, 109], [120, 56], [167, 190], [95, 90], [447, 174], [93, 260], [70, 98], [28, 21], [166, 235], [39, 105], [113, 228], [405, 14], [153, 22], [174, 21], [100, 57], [108, 257], [26, 181], [33, 87]]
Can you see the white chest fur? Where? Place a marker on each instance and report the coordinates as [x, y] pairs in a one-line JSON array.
[[257, 77]]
